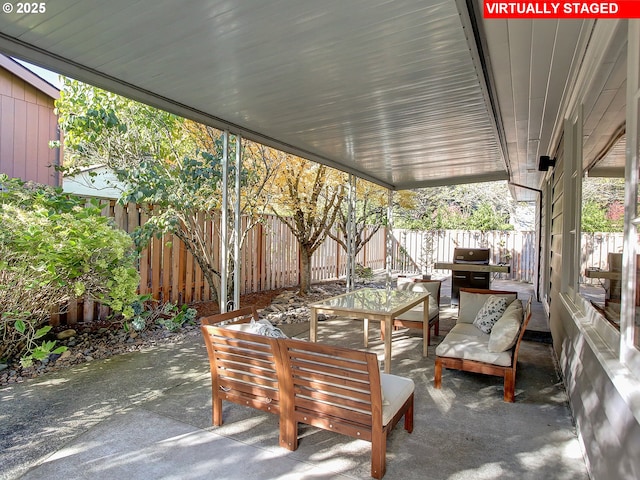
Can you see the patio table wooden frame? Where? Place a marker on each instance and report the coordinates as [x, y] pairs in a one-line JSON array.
[[381, 305]]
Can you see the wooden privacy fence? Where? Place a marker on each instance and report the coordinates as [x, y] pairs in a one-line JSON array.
[[269, 260], [270, 257], [417, 251]]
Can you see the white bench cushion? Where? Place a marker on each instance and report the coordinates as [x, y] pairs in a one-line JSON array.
[[395, 391], [467, 342], [471, 303], [261, 327]]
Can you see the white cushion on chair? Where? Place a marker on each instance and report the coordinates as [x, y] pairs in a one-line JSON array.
[[395, 391], [415, 314], [504, 333]]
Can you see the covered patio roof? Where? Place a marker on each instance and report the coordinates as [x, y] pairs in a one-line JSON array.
[[406, 94]]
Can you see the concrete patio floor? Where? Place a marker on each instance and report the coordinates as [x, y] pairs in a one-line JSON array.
[[147, 415]]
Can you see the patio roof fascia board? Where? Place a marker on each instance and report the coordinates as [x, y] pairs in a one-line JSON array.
[[37, 56], [477, 46], [462, 179]]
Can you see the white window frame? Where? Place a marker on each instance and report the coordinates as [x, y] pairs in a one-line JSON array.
[[629, 354], [572, 195]]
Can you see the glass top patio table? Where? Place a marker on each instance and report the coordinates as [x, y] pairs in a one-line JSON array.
[[371, 304]]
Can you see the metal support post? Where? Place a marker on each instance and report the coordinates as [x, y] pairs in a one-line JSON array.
[[237, 237], [351, 226], [389, 238], [224, 222]]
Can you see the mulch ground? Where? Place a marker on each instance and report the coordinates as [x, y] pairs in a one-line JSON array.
[[259, 299]]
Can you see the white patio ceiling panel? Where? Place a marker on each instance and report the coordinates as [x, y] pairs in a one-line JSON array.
[[389, 90]]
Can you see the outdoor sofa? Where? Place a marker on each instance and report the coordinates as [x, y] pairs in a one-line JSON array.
[[466, 347]]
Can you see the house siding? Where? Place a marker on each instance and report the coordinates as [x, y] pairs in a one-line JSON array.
[[607, 427], [27, 124]]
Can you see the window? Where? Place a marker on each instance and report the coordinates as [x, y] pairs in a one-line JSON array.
[[630, 308], [610, 249], [602, 236]]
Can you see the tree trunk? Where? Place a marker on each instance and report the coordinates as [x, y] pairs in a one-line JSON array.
[[208, 271], [305, 270]]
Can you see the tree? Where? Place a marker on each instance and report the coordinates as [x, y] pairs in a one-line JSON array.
[[602, 205], [103, 128], [259, 166], [307, 197], [170, 166], [468, 206], [485, 218], [370, 215]]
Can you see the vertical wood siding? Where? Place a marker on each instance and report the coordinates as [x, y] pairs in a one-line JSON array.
[[27, 124]]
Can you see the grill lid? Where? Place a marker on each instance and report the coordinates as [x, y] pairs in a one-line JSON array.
[[476, 256]]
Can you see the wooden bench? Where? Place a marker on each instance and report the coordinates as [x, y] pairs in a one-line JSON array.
[[505, 363], [333, 388]]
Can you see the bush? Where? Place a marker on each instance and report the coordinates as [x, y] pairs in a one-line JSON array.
[[54, 248]]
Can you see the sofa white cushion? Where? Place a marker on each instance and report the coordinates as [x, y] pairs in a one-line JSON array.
[[461, 342], [395, 391], [471, 303], [504, 333], [490, 312], [468, 329]]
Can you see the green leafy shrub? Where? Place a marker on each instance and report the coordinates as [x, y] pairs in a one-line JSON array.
[[54, 248], [177, 316], [149, 312]]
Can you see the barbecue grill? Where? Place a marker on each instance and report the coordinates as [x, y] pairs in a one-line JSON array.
[[469, 278], [470, 269]]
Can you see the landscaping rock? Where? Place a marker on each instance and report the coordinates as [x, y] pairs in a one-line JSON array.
[[63, 335]]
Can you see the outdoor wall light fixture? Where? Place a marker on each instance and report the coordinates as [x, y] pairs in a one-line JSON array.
[[546, 162]]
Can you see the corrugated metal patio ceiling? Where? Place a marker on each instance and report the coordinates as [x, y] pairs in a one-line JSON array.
[[396, 92], [385, 89]]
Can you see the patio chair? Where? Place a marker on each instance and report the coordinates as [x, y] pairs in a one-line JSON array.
[[342, 390], [413, 318]]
